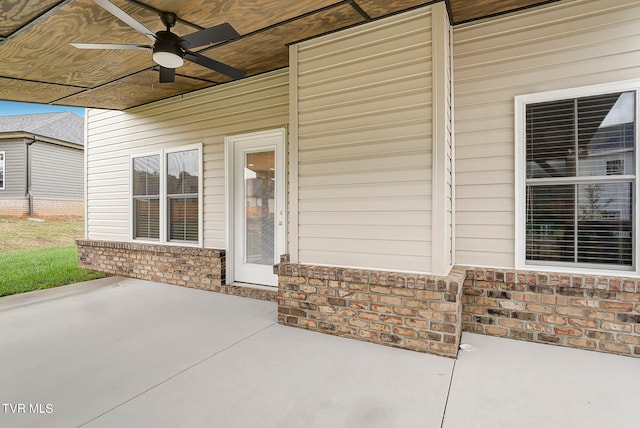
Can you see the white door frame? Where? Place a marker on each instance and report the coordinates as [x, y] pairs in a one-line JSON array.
[[281, 189]]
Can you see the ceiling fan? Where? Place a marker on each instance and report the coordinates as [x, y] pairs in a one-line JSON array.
[[170, 50]]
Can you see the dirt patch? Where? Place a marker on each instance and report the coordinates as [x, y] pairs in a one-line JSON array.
[[21, 234]]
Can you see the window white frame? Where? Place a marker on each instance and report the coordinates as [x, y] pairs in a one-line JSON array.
[[520, 104], [164, 206], [3, 159]]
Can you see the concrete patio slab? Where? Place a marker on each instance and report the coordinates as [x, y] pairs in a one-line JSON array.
[[134, 353], [122, 352], [89, 349], [508, 383], [282, 377]]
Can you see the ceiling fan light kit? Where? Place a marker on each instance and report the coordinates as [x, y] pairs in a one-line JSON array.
[[166, 52], [167, 59], [170, 50]]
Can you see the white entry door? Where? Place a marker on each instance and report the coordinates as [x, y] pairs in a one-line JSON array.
[[257, 205]]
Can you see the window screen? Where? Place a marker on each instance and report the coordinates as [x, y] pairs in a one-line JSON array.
[[580, 180]]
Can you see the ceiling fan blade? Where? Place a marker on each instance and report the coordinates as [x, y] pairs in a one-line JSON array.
[[214, 65], [167, 75], [126, 18], [108, 46], [216, 34]]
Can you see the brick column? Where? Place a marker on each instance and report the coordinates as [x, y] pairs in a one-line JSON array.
[[417, 312]]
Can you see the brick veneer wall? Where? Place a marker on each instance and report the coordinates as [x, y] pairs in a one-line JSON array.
[[411, 311], [417, 312], [14, 206], [42, 207], [581, 311], [186, 266], [50, 207]]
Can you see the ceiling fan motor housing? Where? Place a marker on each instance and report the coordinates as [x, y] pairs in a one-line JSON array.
[[168, 19]]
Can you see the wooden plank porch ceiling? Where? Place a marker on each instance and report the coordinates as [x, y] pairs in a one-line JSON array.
[[37, 64]]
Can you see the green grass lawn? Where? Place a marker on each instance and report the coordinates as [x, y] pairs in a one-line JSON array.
[[40, 254], [42, 268]]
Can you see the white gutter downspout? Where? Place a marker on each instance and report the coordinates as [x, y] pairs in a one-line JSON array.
[[28, 174]]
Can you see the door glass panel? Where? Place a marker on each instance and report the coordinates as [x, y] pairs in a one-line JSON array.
[[259, 182]]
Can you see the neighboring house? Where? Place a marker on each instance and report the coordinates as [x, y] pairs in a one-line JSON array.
[[410, 180], [41, 165]]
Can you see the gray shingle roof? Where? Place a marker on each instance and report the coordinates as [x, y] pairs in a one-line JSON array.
[[63, 126]]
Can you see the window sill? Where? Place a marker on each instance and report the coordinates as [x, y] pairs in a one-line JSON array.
[[629, 272], [171, 243]]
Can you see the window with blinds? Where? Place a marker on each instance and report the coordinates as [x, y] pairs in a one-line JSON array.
[[182, 195], [165, 192], [146, 197], [580, 180], [1, 170]]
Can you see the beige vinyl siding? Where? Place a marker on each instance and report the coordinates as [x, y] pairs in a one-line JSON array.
[[207, 117], [364, 145], [558, 46], [56, 171], [15, 168]]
